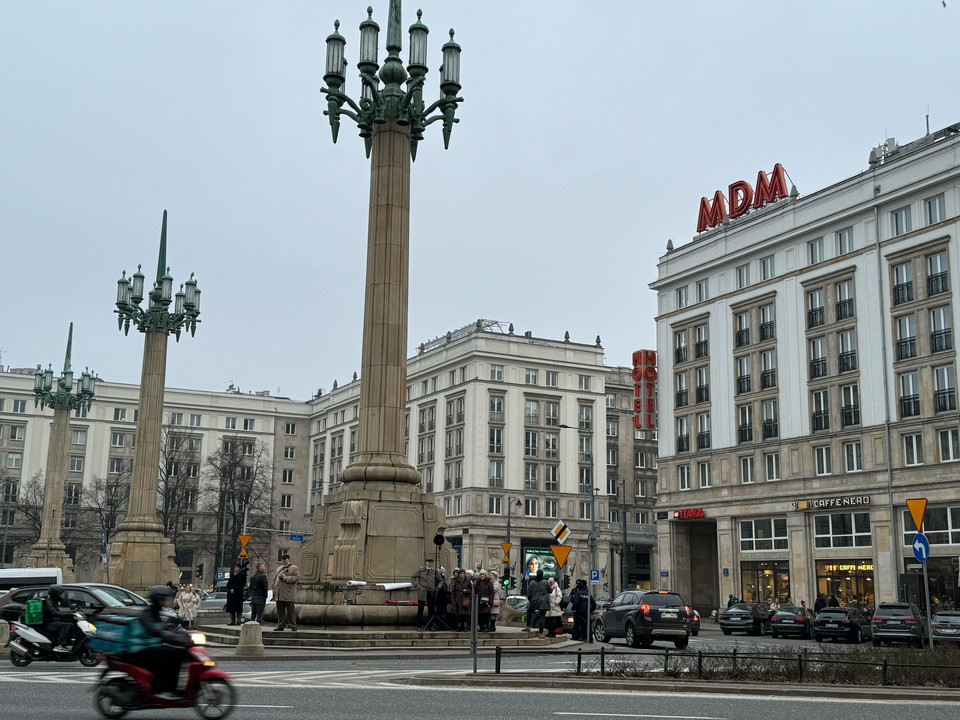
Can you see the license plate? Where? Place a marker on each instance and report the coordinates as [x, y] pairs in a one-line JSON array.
[[832, 625], [947, 630], [669, 614], [893, 622], [788, 622]]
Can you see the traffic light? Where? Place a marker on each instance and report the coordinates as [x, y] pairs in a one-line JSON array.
[[566, 581], [506, 582], [200, 571]]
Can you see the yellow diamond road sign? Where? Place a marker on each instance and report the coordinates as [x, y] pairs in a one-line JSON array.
[[560, 531]]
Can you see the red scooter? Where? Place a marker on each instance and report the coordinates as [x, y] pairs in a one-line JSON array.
[[123, 687]]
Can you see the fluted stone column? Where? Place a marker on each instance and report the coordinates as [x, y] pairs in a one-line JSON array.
[[49, 550], [140, 555]]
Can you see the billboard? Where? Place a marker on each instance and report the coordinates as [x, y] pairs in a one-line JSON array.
[[539, 559]]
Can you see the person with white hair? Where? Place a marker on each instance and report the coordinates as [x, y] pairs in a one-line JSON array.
[[495, 609]]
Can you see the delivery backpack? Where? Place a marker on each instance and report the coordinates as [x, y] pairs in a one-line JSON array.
[[33, 611], [121, 634]]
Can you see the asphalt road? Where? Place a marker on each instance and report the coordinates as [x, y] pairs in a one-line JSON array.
[[369, 690]]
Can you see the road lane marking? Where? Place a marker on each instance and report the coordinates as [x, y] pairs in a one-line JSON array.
[[658, 717]]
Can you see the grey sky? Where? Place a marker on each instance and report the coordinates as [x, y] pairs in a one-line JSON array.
[[588, 134]]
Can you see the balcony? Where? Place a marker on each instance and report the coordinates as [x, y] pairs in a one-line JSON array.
[[745, 433], [449, 419], [531, 419], [850, 415], [683, 443], [848, 361], [744, 384], [703, 440], [937, 284], [845, 309], [703, 394], [682, 399], [496, 416], [903, 293], [821, 421], [818, 367], [701, 349], [680, 355], [771, 429], [941, 340], [767, 331], [946, 400], [815, 317], [743, 337], [768, 379], [906, 348], [909, 406]]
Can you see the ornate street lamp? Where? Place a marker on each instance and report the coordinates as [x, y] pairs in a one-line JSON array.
[[141, 557], [49, 550], [378, 105]]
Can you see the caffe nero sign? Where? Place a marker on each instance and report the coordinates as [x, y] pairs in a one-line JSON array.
[[832, 503]]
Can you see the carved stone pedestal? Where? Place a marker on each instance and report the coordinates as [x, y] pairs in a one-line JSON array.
[[140, 560], [48, 558]]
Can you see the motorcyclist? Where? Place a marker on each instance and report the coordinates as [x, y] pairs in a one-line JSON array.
[[58, 624], [163, 661]]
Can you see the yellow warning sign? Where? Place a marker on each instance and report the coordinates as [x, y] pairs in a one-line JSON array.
[[244, 539], [243, 554], [560, 552], [916, 507]]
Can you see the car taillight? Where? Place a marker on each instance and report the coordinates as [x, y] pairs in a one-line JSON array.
[[934, 626], [909, 619], [775, 618], [876, 618], [686, 609], [799, 619], [646, 610]]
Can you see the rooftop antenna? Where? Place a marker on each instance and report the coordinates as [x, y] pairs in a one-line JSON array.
[[928, 119]]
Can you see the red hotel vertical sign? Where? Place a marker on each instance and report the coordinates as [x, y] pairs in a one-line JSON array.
[[644, 389]]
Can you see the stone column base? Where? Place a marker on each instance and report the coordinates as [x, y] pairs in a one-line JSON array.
[[139, 561], [50, 558]]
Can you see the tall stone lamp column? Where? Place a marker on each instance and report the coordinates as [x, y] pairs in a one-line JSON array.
[[141, 556], [380, 526], [49, 550]]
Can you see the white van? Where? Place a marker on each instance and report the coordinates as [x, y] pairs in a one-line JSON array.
[[17, 577]]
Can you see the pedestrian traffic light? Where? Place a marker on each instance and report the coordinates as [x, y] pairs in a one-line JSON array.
[[200, 571], [506, 581], [566, 581]]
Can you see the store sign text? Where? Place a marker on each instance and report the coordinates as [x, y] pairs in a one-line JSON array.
[[688, 513], [826, 503], [742, 197], [848, 568], [644, 388]]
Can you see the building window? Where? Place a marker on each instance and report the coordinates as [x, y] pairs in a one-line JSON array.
[[744, 423], [530, 376], [941, 336], [746, 469], [116, 439], [768, 372], [815, 316], [818, 358], [703, 474], [195, 420], [583, 382], [703, 384], [586, 449], [74, 491], [530, 507], [76, 463], [613, 427], [551, 478], [744, 381], [903, 283], [941, 525], [703, 290], [680, 347], [680, 380], [115, 466], [286, 502], [743, 329], [763, 534], [494, 504], [743, 276], [14, 461], [496, 372], [821, 410], [552, 379], [815, 251], [613, 457], [702, 347], [289, 452], [531, 412], [586, 480], [77, 437], [496, 473], [550, 508], [496, 408], [119, 414], [909, 394], [586, 510], [852, 457], [768, 329], [850, 408], [906, 337], [683, 435], [913, 449], [771, 465], [845, 307], [945, 394], [949, 445], [936, 210], [530, 479], [287, 476], [844, 241], [822, 461], [80, 412], [551, 414], [585, 417], [230, 423], [683, 298], [937, 274], [842, 530], [496, 441], [902, 221], [551, 446], [290, 428], [176, 418], [703, 431], [639, 459], [767, 268], [683, 477]]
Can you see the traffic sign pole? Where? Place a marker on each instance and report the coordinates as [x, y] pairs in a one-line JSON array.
[[917, 507]]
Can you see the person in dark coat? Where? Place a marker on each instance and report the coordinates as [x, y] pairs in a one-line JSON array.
[[820, 603], [833, 602], [538, 593], [258, 593], [580, 600], [235, 586], [484, 594], [462, 595]]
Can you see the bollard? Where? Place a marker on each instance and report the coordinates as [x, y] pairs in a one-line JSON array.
[[666, 659], [883, 673], [250, 643], [735, 661], [800, 664], [602, 659], [497, 665], [579, 660], [699, 664]]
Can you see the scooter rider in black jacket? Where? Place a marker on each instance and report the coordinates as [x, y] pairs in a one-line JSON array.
[[58, 625], [163, 661]]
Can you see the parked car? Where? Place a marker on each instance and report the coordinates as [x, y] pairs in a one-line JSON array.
[[753, 618], [518, 603], [898, 622], [90, 598], [217, 602], [792, 620], [842, 623], [644, 616], [946, 626]]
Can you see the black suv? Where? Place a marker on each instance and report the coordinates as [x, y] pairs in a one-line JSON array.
[[642, 616], [899, 622], [89, 598]]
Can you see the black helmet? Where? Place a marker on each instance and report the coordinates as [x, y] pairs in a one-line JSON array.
[[55, 592], [160, 594]]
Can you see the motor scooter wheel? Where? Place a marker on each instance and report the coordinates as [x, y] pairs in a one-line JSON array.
[[108, 699], [19, 660], [215, 699], [88, 658]]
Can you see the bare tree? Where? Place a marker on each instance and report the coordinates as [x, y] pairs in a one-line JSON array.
[[240, 476], [77, 531], [178, 489]]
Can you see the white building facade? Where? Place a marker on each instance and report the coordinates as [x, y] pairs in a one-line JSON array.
[[807, 390]]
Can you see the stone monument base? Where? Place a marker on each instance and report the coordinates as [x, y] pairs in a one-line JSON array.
[[50, 557], [140, 560]]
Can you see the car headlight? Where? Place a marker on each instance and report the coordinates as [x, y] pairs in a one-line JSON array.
[[198, 638]]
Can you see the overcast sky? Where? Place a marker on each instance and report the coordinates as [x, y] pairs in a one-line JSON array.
[[589, 133]]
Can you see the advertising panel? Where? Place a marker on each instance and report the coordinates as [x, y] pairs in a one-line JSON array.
[[539, 559]]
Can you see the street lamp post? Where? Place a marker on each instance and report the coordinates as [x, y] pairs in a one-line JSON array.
[[592, 542], [141, 556], [508, 566], [49, 549], [623, 527]]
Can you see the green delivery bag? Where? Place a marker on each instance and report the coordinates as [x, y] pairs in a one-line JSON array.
[[33, 611]]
